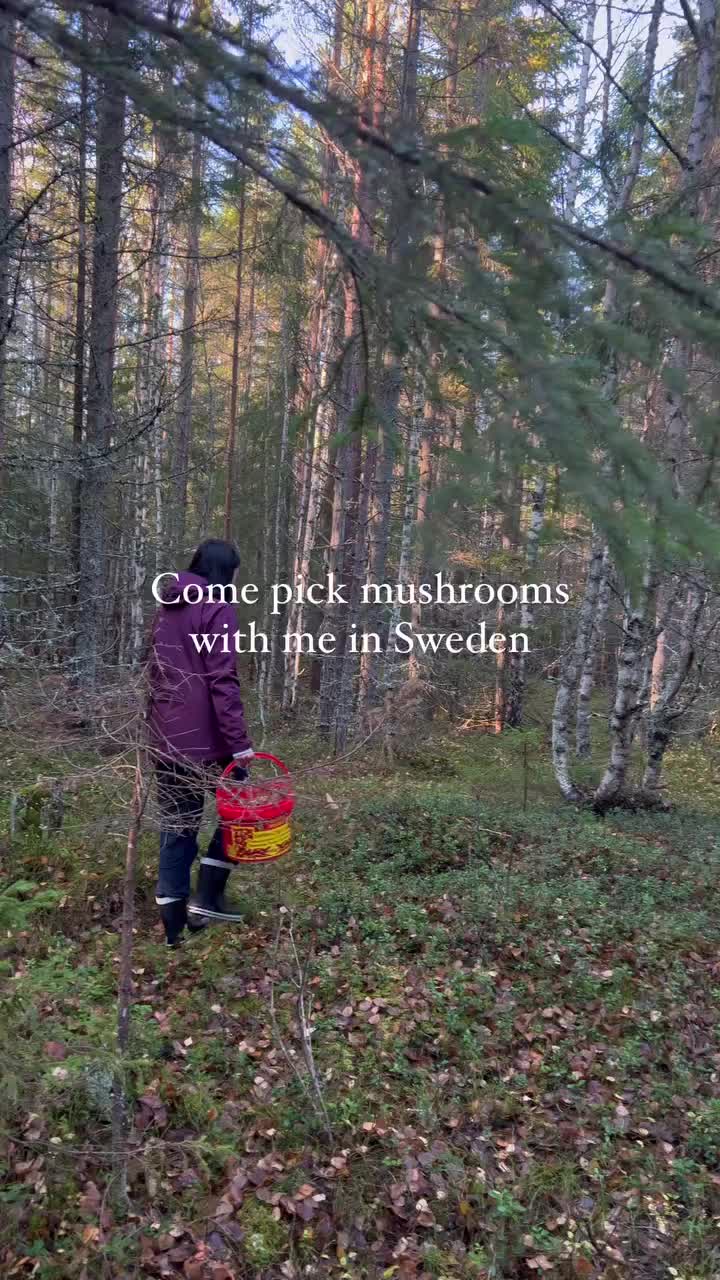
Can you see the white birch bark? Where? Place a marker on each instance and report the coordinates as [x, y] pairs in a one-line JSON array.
[[587, 671], [571, 673], [583, 660], [626, 704]]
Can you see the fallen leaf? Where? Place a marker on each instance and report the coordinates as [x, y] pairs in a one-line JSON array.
[[55, 1050]]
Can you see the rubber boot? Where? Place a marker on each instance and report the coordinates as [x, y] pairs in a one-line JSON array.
[[174, 917], [208, 903]]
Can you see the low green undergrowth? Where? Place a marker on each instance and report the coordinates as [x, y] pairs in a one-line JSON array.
[[513, 1017]]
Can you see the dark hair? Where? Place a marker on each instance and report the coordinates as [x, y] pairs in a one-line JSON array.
[[215, 560]]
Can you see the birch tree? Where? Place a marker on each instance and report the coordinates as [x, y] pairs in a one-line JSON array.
[[582, 664]]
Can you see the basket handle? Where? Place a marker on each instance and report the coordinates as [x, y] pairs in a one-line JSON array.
[[259, 755]]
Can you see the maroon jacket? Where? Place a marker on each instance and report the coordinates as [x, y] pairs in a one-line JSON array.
[[194, 708]]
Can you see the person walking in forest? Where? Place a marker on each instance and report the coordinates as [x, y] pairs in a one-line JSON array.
[[196, 724]]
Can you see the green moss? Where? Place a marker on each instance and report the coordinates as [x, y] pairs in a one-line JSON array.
[[704, 1135], [266, 1240]]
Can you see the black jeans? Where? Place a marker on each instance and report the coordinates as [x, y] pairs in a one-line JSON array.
[[181, 797]]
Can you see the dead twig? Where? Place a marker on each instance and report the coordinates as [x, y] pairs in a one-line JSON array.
[[309, 1080]]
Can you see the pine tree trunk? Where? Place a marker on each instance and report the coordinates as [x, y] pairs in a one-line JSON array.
[[407, 528], [431, 408], [351, 495], [391, 376], [509, 541], [138, 533], [424, 487], [669, 676], [7, 100], [184, 417], [516, 695], [235, 368], [328, 681], [80, 307], [379, 530], [191, 288], [309, 517], [149, 388], [50, 422], [315, 399], [99, 409], [356, 576], [280, 513]]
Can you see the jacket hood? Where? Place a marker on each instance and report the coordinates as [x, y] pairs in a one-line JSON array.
[[171, 591]]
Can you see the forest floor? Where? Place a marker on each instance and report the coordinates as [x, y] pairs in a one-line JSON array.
[[514, 1028]]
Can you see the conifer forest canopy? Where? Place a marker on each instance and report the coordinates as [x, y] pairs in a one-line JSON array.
[[383, 290], [416, 303]]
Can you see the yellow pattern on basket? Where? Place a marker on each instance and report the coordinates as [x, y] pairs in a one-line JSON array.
[[253, 844]]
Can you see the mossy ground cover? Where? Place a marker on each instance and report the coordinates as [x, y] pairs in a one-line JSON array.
[[513, 1019]]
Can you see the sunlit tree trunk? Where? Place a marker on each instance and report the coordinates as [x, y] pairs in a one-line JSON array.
[[351, 497], [188, 340], [184, 416], [391, 374], [235, 363], [432, 406], [315, 400], [317, 468], [280, 511], [149, 397]]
